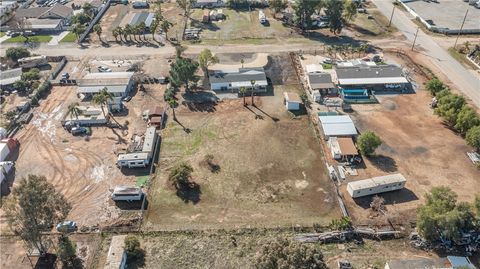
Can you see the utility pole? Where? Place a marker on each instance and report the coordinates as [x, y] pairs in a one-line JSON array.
[[415, 39], [391, 16], [461, 28]]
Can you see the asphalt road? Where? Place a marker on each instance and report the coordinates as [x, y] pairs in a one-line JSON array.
[[464, 80]]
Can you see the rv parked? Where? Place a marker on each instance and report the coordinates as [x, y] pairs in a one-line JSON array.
[[126, 193], [30, 62]]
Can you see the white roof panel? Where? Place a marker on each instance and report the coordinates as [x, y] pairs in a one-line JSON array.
[[341, 125], [364, 81]]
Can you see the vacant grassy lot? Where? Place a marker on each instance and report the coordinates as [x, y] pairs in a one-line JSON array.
[[271, 171], [240, 26], [37, 39], [70, 37]]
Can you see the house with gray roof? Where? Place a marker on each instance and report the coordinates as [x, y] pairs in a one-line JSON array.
[[233, 80], [8, 77], [43, 19], [321, 82], [118, 84], [450, 262], [378, 77]]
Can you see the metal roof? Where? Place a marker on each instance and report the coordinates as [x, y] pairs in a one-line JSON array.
[[133, 156], [241, 76], [127, 190], [460, 262], [341, 125], [146, 17], [292, 97], [320, 81], [376, 181], [149, 140], [370, 75], [95, 89], [8, 77], [416, 264]]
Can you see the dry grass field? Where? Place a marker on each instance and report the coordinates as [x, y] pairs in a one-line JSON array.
[[271, 171]]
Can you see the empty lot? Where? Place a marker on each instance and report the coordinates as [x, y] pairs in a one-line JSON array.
[[271, 170]]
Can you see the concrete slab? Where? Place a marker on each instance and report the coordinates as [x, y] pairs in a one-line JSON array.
[[57, 38]]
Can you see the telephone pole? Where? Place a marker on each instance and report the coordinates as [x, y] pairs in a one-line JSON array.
[[461, 28], [415, 39], [391, 16]]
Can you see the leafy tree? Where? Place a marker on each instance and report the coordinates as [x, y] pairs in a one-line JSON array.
[[165, 26], [182, 71], [448, 107], [434, 86], [132, 247], [17, 53], [78, 29], [88, 9], [466, 119], [303, 11], [34, 208], [180, 175], [277, 6], [32, 74], [334, 11], [98, 30], [473, 137], [368, 142], [74, 110], [186, 5], [282, 253], [21, 85], [66, 251], [81, 18], [243, 91], [350, 10], [440, 216], [205, 59]]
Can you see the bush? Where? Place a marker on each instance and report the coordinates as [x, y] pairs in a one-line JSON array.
[[368, 142], [473, 137], [434, 86], [180, 175], [448, 107], [169, 94], [17, 53], [132, 247], [466, 119]]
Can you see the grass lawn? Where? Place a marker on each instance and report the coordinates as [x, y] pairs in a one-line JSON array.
[[372, 27], [2, 34], [37, 39], [270, 171], [70, 37]]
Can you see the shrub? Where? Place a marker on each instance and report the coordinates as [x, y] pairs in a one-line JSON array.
[[449, 106], [16, 53], [368, 142], [473, 137], [434, 86], [180, 175], [466, 119], [132, 247]]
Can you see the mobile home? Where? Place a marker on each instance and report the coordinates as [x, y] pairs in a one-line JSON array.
[[33, 61], [126, 193], [376, 185]]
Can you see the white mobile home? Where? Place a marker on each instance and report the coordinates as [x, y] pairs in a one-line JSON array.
[[140, 158], [126, 193], [376, 185], [233, 80], [88, 116], [338, 125]]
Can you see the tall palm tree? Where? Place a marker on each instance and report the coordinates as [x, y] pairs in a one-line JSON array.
[[141, 30], [115, 33], [127, 31], [165, 26], [173, 104], [253, 88], [98, 30], [243, 91], [242, 61], [101, 98], [74, 110], [154, 27]]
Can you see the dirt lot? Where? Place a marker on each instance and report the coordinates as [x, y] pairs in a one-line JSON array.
[[271, 170]]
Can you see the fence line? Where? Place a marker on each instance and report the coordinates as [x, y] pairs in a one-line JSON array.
[[94, 21]]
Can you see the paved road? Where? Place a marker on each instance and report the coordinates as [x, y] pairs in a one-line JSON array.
[[465, 81]]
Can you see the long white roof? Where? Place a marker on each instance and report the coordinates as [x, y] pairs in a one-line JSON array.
[[377, 181], [364, 81], [341, 125]]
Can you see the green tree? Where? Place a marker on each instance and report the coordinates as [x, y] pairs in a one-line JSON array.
[[127, 31], [165, 26], [132, 247], [350, 11], [101, 98], [81, 18], [182, 71], [88, 9], [303, 11], [74, 110], [434, 86], [67, 250], [283, 253], [440, 216], [205, 59], [466, 119], [98, 30], [448, 107], [34, 208], [180, 175], [78, 29], [334, 11], [32, 74], [142, 29], [277, 6], [173, 104], [473, 137], [341, 224], [153, 28], [17, 53], [21, 85], [243, 91], [368, 142]]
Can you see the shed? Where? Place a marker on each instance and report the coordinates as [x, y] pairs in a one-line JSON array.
[[376, 185], [117, 257], [338, 125], [292, 100], [156, 111], [322, 82], [8, 77], [342, 147]]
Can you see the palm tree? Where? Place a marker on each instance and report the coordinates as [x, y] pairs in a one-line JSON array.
[[243, 91], [88, 9], [115, 33], [127, 31], [364, 48], [101, 98], [253, 84], [242, 61], [78, 29], [154, 27], [165, 26], [173, 104], [74, 110], [141, 30], [98, 30]]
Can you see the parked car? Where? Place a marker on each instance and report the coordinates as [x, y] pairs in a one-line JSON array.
[[127, 98], [323, 24], [65, 76], [67, 226], [104, 69], [163, 80], [78, 130], [327, 61], [377, 58]]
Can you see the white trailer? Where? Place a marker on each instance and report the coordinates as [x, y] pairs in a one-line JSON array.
[[376, 185], [34, 61], [132, 160], [127, 193]]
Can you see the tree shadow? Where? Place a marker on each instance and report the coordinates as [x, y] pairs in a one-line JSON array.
[[77, 263], [362, 30], [274, 119], [384, 163], [132, 205], [136, 262], [391, 198], [7, 184], [189, 193], [210, 26]]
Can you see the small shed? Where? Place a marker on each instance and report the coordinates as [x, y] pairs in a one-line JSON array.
[[292, 100], [117, 257], [342, 148], [157, 111], [337, 125]]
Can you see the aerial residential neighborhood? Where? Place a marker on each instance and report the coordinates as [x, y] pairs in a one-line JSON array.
[[240, 134]]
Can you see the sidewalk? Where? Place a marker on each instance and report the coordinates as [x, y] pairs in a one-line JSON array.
[[57, 38]]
